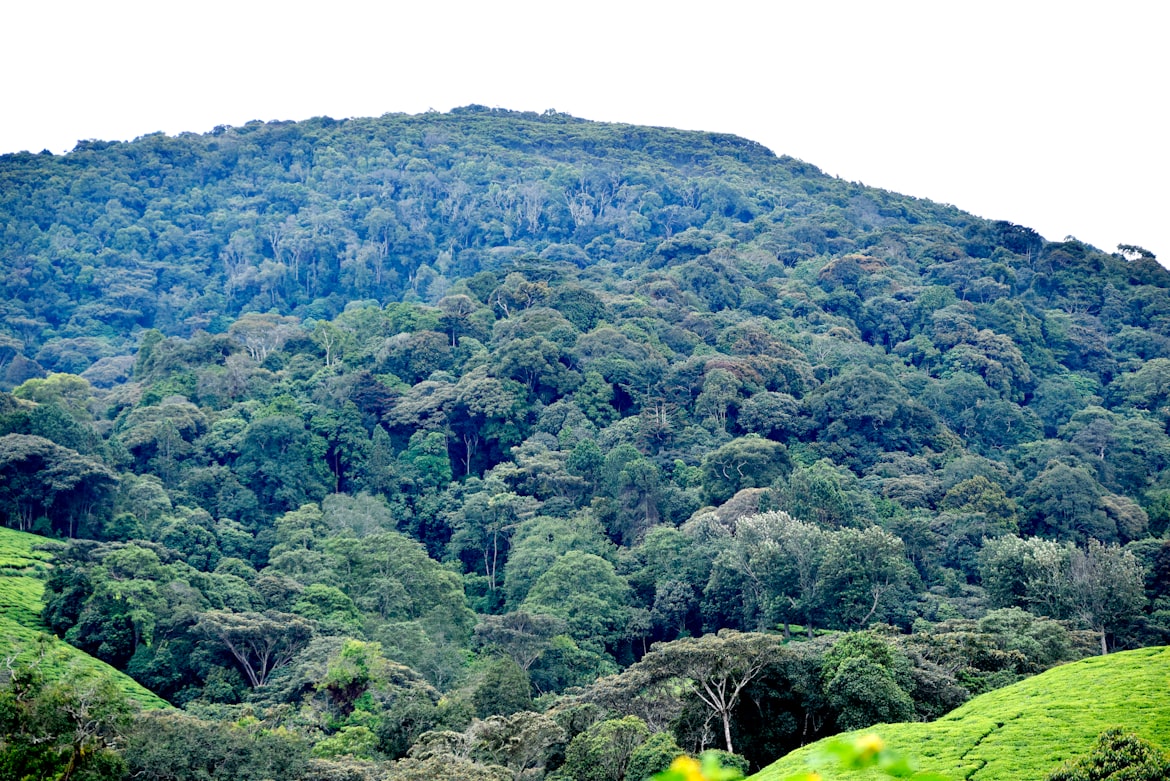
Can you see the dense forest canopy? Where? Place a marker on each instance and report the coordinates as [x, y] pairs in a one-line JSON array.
[[408, 438]]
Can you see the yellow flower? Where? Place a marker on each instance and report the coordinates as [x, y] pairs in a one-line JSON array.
[[870, 744], [688, 767]]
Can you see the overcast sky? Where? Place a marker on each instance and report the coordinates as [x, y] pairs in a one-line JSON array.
[[1051, 115]]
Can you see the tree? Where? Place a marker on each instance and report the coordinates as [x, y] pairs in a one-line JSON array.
[[260, 642], [747, 462], [652, 757], [980, 495], [634, 482], [817, 494], [538, 542], [484, 526], [263, 334], [715, 668], [1105, 586], [864, 571], [490, 411], [172, 746], [865, 680], [787, 556], [860, 414], [65, 391], [1099, 586], [862, 694], [68, 727], [333, 340], [447, 766], [539, 365], [1116, 756], [503, 690], [524, 637], [39, 478], [346, 443], [772, 415], [720, 391], [331, 610], [391, 576], [586, 592], [521, 742], [595, 398], [283, 463], [603, 752], [425, 464], [1027, 572]]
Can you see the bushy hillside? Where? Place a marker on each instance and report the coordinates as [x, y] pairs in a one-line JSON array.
[[1026, 730], [383, 430], [23, 636]]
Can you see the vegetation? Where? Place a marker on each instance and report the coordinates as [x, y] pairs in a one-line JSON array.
[[1026, 730], [1116, 755], [23, 636], [488, 444]]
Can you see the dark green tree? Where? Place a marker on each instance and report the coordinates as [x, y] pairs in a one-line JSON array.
[[586, 592], [503, 690], [65, 728], [283, 463]]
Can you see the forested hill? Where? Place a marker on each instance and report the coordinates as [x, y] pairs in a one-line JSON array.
[[186, 233], [456, 414]]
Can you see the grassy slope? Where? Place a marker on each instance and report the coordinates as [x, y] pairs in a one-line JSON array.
[[21, 632], [1024, 731]]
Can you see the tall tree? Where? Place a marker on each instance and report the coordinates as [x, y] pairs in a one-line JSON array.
[[1105, 587], [715, 668], [260, 642]]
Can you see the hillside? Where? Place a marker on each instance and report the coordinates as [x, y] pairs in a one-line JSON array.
[[23, 634], [384, 429], [1026, 730]]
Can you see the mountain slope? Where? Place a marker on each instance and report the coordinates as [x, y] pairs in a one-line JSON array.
[[23, 635], [522, 339], [1024, 731], [188, 232]]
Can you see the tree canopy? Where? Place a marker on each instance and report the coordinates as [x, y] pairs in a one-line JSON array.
[[504, 429]]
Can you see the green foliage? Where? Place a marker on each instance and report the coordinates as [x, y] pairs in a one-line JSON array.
[[605, 750], [524, 742], [749, 462], [355, 668], [730, 763], [653, 756], [261, 643], [504, 689], [583, 590], [707, 768], [1116, 755], [863, 693], [40, 479], [1099, 587], [537, 543], [1027, 729], [325, 388], [22, 632], [177, 747], [865, 680], [1002, 647], [72, 724], [715, 669]]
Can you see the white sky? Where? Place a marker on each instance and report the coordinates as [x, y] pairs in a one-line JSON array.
[[1048, 114]]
